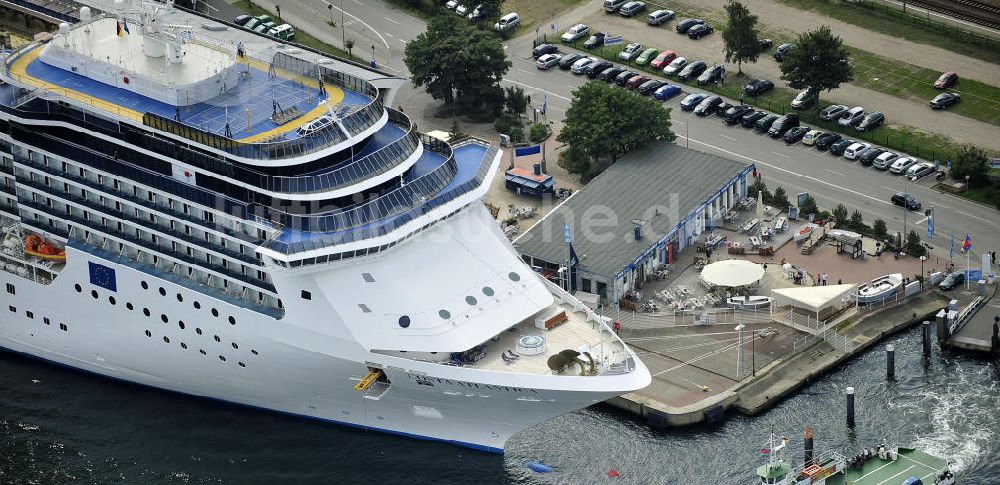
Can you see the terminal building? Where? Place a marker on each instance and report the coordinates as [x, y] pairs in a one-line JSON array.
[[635, 216]]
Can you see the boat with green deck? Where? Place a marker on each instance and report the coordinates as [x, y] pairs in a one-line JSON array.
[[883, 465]]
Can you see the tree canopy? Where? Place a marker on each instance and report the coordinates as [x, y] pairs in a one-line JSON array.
[[606, 122], [740, 41], [971, 161], [458, 63], [819, 62]]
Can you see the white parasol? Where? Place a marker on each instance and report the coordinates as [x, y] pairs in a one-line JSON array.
[[732, 272]]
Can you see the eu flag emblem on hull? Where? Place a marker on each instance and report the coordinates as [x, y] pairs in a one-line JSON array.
[[103, 276]]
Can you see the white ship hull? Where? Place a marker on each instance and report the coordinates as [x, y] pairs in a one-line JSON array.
[[430, 401]]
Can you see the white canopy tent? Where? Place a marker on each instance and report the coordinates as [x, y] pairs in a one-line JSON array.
[[732, 272], [813, 298]]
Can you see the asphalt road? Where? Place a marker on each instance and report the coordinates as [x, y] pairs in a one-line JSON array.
[[830, 180]]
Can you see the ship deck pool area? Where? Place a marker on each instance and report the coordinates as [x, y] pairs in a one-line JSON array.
[[247, 107], [468, 158]]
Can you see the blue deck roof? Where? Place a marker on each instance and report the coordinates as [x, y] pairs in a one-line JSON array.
[[468, 158], [254, 91]]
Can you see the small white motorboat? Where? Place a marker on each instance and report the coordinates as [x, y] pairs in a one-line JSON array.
[[879, 288], [803, 233]]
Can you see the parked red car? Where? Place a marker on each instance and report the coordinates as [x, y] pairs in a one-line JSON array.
[[946, 80], [661, 61], [636, 81]]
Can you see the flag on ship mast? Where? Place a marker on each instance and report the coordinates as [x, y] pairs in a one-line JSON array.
[[125, 26], [118, 26]]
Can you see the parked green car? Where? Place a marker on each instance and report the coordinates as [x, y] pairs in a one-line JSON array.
[[646, 56]]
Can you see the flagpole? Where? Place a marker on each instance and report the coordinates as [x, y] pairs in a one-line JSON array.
[[967, 252]]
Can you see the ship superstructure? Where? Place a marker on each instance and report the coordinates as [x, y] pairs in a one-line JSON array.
[[197, 208]]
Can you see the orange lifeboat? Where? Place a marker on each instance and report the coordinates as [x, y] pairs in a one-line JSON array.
[[35, 246]]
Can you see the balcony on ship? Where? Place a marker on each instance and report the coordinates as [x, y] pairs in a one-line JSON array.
[[441, 175]]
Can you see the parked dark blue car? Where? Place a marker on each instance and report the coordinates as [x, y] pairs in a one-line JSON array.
[[667, 92]]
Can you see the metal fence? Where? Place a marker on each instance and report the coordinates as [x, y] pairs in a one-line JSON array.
[[723, 316]]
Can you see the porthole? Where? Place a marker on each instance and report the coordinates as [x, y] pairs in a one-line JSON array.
[[164, 318], [197, 305], [222, 358], [180, 323], [184, 345], [471, 300], [487, 291], [236, 346], [217, 339], [514, 276], [215, 312], [129, 306], [94, 294], [202, 351], [445, 314], [166, 339], [145, 311], [144, 285], [404, 321], [180, 297], [163, 292], [241, 364], [197, 331], [232, 320], [78, 288], [148, 333], [254, 352], [112, 301]]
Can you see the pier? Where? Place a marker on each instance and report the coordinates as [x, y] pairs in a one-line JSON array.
[[975, 327]]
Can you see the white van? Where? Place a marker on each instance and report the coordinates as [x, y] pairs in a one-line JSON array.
[[282, 32], [507, 22]]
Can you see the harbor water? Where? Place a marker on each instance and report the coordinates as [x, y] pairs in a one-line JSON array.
[[59, 426]]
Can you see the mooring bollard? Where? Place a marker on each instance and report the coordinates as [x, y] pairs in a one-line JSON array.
[[808, 447], [927, 338], [850, 406], [890, 362]]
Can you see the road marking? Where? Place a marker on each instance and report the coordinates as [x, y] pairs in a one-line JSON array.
[[522, 70], [677, 121], [402, 40], [976, 217], [727, 137], [836, 173], [392, 20], [780, 155], [921, 221], [388, 35], [358, 2], [537, 89], [888, 188], [331, 5]]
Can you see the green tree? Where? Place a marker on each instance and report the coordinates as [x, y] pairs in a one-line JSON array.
[[857, 220], [739, 41], [808, 206], [454, 60], [971, 161], [757, 187], [538, 132], [606, 122], [455, 132], [516, 100], [840, 213], [913, 246], [780, 199], [819, 62], [879, 230]]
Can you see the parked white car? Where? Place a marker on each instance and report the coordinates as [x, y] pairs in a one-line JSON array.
[[575, 32], [548, 61], [580, 66], [630, 51], [901, 165], [854, 151], [883, 161], [675, 66]]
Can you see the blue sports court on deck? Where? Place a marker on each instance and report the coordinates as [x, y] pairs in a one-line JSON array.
[[256, 90]]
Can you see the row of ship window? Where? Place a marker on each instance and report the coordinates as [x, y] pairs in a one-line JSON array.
[[28, 313], [404, 321]]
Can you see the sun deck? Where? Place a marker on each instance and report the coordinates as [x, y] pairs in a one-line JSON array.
[[245, 108]]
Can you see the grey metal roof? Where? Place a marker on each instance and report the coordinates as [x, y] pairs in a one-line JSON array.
[[659, 186]]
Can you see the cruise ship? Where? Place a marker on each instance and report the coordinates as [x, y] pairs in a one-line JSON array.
[[193, 207]]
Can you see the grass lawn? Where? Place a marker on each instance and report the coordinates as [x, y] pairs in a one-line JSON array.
[[873, 16], [534, 11], [980, 101], [301, 37]]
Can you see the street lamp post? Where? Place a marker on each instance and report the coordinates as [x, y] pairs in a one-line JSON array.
[[739, 349], [922, 275], [343, 28]]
